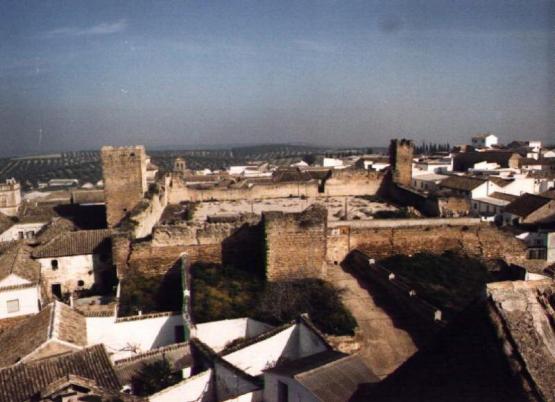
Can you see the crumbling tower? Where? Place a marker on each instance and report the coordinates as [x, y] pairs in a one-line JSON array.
[[124, 172], [400, 159]]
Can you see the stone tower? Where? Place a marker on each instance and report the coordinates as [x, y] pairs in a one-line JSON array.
[[400, 159], [10, 197], [179, 165], [124, 172]]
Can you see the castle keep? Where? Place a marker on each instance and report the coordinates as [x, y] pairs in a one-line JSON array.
[[400, 156], [124, 171]]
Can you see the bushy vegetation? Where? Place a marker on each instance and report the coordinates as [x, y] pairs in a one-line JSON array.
[[150, 294], [227, 292], [154, 377], [450, 281]]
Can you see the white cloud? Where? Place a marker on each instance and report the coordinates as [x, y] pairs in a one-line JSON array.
[[104, 28]]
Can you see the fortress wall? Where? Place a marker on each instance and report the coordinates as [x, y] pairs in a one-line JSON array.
[[350, 182], [295, 244], [378, 243], [180, 192]]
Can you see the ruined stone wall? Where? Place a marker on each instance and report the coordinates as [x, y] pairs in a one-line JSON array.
[[124, 174], [179, 192], [477, 240], [147, 213], [295, 244], [353, 182], [453, 206], [237, 243]]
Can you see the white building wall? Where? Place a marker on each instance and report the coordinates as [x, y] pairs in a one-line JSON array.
[[28, 301], [29, 231], [193, 389], [254, 396], [294, 342], [217, 334], [13, 280], [229, 384], [125, 338]]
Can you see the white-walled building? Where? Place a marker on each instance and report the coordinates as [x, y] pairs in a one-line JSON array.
[[438, 166], [486, 140], [333, 163], [19, 283], [20, 231], [74, 261], [427, 181]]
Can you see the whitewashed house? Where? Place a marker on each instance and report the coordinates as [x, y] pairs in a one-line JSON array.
[[75, 260], [23, 230], [486, 140], [427, 181], [19, 282], [333, 163], [434, 165], [491, 205]]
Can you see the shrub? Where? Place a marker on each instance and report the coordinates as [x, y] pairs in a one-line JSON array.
[[226, 292], [153, 377]]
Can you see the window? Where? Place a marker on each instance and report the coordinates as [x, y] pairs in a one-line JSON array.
[[537, 254], [283, 392], [13, 306], [21, 235], [80, 283], [179, 333], [54, 264]]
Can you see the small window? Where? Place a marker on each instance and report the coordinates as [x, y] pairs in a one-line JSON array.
[[54, 264], [13, 306], [21, 235], [80, 283]]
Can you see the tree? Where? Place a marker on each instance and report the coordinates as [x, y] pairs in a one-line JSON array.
[[309, 158], [153, 377]]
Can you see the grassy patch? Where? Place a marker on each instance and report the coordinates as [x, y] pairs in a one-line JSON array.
[[449, 280], [225, 292], [149, 294]]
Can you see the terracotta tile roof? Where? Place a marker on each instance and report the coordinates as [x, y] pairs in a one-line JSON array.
[[55, 321], [526, 204], [463, 183], [56, 227], [17, 260], [178, 356], [499, 181], [20, 382], [5, 222], [329, 376], [81, 242], [503, 196]]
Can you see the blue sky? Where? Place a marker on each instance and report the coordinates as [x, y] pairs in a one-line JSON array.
[[79, 74]]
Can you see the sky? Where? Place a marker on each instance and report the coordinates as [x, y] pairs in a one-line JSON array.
[[176, 74]]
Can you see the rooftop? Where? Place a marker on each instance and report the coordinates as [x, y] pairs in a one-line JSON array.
[[81, 242], [55, 321], [21, 382], [17, 260], [526, 204], [463, 183]]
